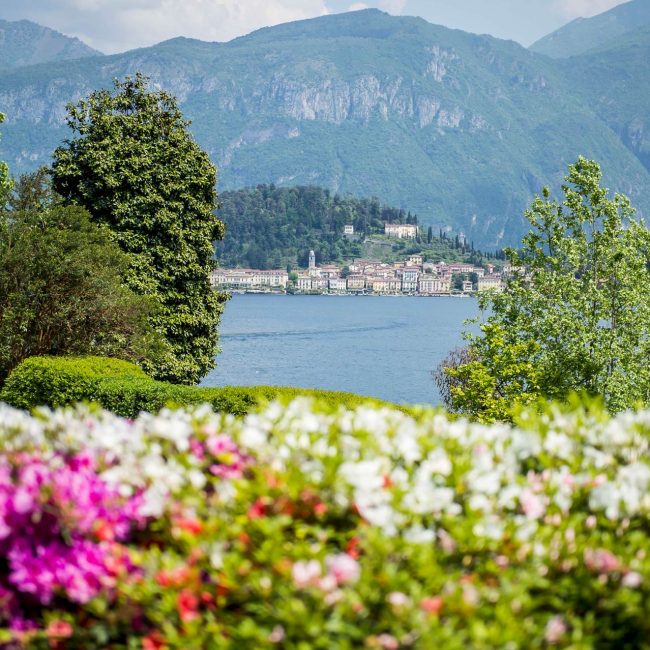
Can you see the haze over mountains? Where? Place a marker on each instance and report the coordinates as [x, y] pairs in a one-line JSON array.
[[460, 128]]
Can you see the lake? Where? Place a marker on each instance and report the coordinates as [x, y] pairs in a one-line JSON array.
[[385, 347]]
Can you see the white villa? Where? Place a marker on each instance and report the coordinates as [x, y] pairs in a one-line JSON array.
[[401, 230]]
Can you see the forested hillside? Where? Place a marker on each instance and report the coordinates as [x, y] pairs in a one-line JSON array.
[[615, 80], [275, 227]]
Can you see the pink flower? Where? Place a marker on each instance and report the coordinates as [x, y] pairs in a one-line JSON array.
[[388, 642], [555, 629], [333, 597], [532, 504], [447, 542], [277, 635], [398, 599], [197, 448], [344, 568], [306, 574], [601, 561], [23, 501], [328, 583], [230, 461]]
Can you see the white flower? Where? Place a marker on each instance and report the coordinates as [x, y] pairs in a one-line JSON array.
[[632, 580], [437, 462], [558, 444], [419, 535]]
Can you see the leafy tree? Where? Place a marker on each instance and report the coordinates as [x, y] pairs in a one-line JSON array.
[[60, 285], [5, 180], [136, 169], [32, 193], [575, 315]]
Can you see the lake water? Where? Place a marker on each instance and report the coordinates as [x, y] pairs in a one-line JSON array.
[[385, 347]]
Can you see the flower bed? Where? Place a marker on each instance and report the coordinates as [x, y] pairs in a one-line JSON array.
[[305, 526]]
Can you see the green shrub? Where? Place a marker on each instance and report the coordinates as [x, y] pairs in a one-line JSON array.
[[57, 381], [124, 389]]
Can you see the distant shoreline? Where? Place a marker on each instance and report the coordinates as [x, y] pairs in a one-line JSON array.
[[353, 295]]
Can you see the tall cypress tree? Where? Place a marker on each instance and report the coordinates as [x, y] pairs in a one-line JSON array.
[[134, 166]]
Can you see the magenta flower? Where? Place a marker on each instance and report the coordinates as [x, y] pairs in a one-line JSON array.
[[52, 511]]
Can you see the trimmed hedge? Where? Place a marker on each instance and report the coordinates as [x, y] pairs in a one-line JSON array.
[[124, 389]]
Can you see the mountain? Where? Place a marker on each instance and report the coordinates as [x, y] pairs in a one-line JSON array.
[[458, 128], [585, 34], [25, 43], [615, 81]]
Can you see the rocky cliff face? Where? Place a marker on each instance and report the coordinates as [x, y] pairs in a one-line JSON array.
[[461, 129]]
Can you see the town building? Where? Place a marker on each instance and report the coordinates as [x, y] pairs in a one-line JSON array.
[[379, 285], [490, 282], [432, 285], [303, 283], [337, 285], [249, 279], [401, 230], [320, 284], [409, 280], [461, 268], [356, 282], [411, 276], [329, 271]]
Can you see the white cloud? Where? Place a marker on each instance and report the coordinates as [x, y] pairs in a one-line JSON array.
[[585, 8], [394, 7], [117, 25]]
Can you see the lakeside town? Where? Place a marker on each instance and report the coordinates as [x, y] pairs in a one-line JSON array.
[[413, 276]]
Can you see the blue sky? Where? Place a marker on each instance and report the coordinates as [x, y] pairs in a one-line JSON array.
[[118, 25]]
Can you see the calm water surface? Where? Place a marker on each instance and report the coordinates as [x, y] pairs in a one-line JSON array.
[[380, 346]]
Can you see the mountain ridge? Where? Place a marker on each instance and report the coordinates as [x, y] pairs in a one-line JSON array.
[[584, 35], [461, 128], [24, 43]]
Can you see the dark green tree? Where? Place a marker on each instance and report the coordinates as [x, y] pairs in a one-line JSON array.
[[134, 166], [61, 288]]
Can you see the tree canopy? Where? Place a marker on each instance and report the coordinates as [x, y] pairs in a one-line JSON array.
[[60, 284], [575, 314], [273, 227], [5, 179], [134, 166]]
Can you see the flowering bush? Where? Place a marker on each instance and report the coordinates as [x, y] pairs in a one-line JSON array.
[[305, 526]]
